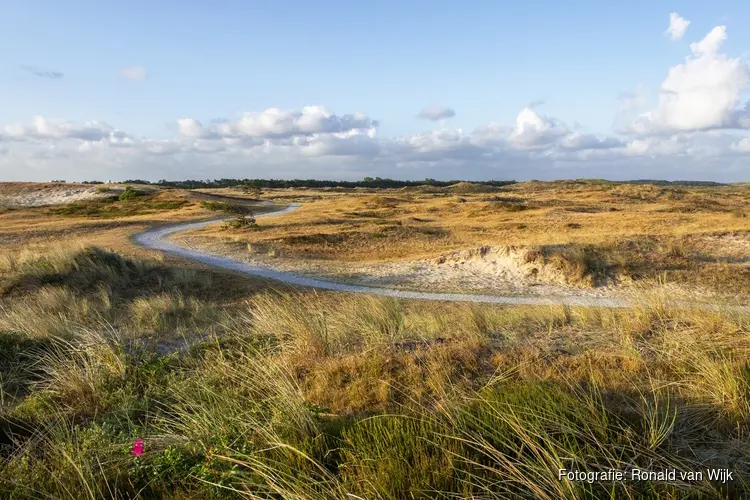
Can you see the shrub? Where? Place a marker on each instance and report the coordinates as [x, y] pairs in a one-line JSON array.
[[128, 194], [243, 217]]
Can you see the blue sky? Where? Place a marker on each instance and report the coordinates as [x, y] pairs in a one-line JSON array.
[[135, 68]]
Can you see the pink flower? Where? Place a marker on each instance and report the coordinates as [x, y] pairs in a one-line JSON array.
[[138, 447]]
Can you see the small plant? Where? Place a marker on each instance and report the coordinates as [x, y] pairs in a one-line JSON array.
[[243, 217], [128, 194]]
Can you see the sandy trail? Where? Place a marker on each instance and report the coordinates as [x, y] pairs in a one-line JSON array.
[[157, 239]]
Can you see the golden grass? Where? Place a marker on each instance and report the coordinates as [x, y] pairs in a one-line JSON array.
[[410, 223], [320, 395], [43, 230], [239, 389], [591, 232]]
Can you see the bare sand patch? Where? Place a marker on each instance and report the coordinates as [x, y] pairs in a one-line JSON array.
[[27, 194], [497, 270]]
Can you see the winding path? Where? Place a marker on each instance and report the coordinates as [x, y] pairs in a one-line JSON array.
[[157, 239]]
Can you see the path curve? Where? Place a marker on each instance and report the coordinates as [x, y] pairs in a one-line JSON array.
[[157, 239]]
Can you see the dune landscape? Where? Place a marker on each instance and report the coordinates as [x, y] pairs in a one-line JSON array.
[[617, 347], [374, 250]]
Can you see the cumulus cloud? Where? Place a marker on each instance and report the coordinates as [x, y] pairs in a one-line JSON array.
[[702, 93], [533, 130], [45, 128], [137, 73], [435, 145], [687, 134], [492, 151], [42, 73], [677, 26], [279, 123], [577, 141], [492, 134], [190, 127], [435, 113], [357, 145]]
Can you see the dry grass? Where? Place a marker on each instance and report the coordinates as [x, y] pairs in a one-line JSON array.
[[326, 395], [107, 223], [240, 390], [553, 213], [593, 232]]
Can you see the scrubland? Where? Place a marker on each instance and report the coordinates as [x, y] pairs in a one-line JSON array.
[[585, 234], [245, 388]]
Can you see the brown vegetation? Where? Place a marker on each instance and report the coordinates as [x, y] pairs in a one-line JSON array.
[[289, 394], [594, 232], [243, 388]]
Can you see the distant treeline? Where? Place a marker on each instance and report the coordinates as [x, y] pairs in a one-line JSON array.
[[368, 182], [675, 183]]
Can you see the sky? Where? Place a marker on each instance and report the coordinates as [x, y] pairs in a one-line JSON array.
[[93, 90]]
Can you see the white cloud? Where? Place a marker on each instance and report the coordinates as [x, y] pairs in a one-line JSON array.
[[491, 135], [577, 141], [137, 73], [685, 135], [44, 128], [700, 94], [48, 147], [677, 26], [279, 123], [532, 130], [435, 113], [190, 127], [711, 43], [356, 145]]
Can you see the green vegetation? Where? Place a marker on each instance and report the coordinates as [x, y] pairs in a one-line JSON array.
[[129, 203], [263, 394], [128, 194], [217, 206]]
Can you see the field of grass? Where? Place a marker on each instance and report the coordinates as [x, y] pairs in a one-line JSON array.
[[301, 395], [591, 231], [106, 221], [530, 213], [245, 388]]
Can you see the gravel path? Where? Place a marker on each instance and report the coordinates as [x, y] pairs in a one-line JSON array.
[[157, 239]]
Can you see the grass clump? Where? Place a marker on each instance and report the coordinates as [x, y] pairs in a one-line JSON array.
[[90, 270], [305, 395]]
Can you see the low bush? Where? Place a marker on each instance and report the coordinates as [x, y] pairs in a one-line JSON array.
[[128, 194]]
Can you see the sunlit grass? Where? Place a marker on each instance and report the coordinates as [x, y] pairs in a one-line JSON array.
[[271, 394]]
